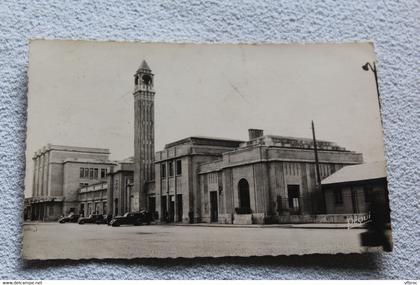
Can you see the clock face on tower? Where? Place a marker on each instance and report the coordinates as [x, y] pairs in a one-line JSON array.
[[146, 79]]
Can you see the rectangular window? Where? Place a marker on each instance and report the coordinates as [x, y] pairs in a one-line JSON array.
[[163, 170], [178, 167], [95, 174], [86, 173], [338, 196], [82, 172], [171, 169], [91, 173], [103, 172]]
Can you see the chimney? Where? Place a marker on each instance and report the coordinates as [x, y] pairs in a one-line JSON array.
[[255, 133]]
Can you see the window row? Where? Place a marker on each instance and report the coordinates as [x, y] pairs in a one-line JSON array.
[[83, 185], [92, 173], [171, 169], [338, 195]]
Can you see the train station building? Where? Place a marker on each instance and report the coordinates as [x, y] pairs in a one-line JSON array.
[[265, 179]]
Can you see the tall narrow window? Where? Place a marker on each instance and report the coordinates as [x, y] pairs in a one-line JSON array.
[[163, 170], [82, 172], [95, 173], [86, 173], [178, 167], [171, 168], [91, 173], [103, 173]]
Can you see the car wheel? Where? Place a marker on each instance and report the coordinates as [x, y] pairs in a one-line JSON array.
[[81, 222]]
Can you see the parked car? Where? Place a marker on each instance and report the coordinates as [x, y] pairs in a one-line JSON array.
[[72, 218], [102, 219], [91, 219], [132, 218]]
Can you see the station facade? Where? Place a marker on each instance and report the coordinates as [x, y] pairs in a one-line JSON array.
[[265, 179]]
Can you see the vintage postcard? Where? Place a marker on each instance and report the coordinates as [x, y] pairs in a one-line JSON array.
[[139, 150]]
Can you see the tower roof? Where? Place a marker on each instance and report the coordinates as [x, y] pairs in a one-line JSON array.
[[144, 66]]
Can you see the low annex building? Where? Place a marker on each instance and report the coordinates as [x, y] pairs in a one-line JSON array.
[[351, 189]]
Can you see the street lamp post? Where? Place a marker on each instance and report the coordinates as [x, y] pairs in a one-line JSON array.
[[366, 67]]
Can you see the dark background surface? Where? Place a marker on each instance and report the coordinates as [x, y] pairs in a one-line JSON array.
[[394, 27]]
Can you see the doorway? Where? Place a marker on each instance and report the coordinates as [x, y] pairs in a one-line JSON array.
[[294, 203], [244, 200], [164, 208], [179, 209], [213, 207], [171, 217], [152, 205]]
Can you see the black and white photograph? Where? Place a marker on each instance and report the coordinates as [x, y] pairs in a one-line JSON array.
[[157, 150]]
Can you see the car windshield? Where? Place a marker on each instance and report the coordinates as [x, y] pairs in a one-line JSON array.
[[126, 214], [90, 216]]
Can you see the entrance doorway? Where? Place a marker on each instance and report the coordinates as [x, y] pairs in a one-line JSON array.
[[244, 200], [213, 207], [179, 209], [116, 213], [82, 210], [152, 205], [171, 209], [293, 194], [41, 212], [164, 209]]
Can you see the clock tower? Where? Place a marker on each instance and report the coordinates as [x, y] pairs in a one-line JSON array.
[[144, 134]]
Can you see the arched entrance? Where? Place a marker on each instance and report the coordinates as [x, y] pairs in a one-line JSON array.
[[244, 200]]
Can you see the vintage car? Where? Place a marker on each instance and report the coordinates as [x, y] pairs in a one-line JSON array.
[[132, 218], [72, 218], [91, 219], [103, 219]]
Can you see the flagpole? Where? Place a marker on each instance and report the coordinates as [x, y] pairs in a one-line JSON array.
[[318, 175]]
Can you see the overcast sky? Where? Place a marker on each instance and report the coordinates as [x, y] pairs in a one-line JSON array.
[[80, 94]]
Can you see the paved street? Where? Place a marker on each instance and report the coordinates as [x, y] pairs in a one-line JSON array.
[[73, 241]]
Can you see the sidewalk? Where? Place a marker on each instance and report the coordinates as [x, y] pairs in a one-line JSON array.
[[289, 226], [297, 226]]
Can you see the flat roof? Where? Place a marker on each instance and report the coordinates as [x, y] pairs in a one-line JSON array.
[[50, 147], [88, 160], [201, 140], [358, 172], [292, 142]]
